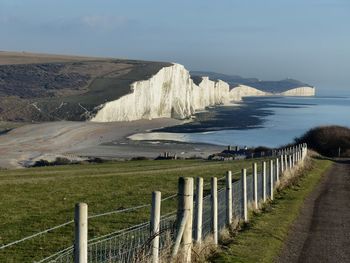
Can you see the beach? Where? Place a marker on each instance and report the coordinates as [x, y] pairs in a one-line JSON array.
[[25, 145], [270, 122]]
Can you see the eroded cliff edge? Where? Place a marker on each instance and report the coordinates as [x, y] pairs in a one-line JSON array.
[[172, 93], [169, 93]]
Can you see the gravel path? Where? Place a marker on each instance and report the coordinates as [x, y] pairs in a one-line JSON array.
[[322, 231]]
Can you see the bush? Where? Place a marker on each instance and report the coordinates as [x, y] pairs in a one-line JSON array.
[[96, 160], [327, 140], [61, 161], [58, 161], [41, 163], [139, 158]]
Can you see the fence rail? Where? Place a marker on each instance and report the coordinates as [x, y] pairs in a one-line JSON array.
[[208, 215]]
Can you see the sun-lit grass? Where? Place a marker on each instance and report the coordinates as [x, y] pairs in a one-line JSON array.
[[263, 238], [38, 198]]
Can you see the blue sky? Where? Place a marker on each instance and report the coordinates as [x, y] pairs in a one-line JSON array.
[[270, 39]]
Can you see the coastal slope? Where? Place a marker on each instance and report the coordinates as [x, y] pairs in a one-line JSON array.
[[41, 88]]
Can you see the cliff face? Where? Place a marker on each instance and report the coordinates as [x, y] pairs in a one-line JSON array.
[[237, 93], [301, 91], [169, 93], [172, 93]]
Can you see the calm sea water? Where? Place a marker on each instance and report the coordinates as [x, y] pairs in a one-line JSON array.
[[290, 117]]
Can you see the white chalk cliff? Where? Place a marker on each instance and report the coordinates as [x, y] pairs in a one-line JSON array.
[[300, 91], [172, 93], [237, 93]]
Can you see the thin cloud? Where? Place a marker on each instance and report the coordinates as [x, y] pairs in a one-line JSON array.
[[104, 22]]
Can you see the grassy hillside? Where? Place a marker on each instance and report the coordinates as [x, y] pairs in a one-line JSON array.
[[38, 87], [38, 198]]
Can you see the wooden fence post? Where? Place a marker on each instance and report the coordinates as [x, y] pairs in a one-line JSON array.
[[228, 197], [81, 233], [185, 204], [290, 162], [298, 153], [277, 170], [244, 193], [198, 211], [282, 164], [302, 153], [271, 179], [305, 150], [155, 227], [286, 162], [255, 186], [214, 209], [264, 180]]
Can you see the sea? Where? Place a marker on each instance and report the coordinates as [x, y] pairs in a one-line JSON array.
[[283, 119]]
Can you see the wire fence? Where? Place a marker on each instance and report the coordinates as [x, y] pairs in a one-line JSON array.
[[128, 245], [134, 244]]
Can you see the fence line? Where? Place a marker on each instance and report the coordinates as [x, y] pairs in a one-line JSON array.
[[36, 234], [134, 244], [120, 211], [89, 217]]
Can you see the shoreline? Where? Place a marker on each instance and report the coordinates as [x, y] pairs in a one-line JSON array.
[[80, 140], [23, 146], [259, 121]]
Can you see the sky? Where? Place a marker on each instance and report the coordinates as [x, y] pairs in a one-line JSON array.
[[308, 40]]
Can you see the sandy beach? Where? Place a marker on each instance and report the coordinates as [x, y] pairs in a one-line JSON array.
[[77, 140]]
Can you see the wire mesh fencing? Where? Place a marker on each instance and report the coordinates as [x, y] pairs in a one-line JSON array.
[[206, 224], [135, 243], [130, 245]]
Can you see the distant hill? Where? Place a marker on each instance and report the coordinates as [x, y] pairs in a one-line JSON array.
[[268, 86]]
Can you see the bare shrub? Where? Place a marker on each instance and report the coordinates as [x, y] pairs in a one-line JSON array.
[[327, 140]]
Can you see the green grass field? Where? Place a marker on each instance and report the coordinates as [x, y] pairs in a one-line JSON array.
[[35, 199], [263, 238]]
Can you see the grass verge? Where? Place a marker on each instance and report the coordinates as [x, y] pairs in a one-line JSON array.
[[35, 199], [263, 237]]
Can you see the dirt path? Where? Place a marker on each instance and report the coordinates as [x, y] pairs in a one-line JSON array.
[[322, 231]]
